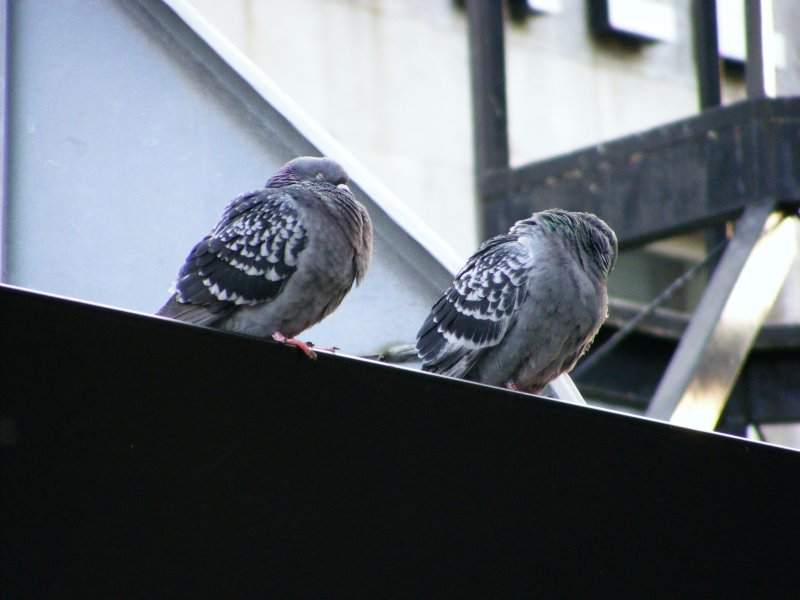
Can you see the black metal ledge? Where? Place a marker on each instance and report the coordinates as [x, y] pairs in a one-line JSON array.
[[147, 458], [686, 175]]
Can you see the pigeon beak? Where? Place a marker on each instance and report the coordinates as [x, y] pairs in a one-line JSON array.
[[343, 186]]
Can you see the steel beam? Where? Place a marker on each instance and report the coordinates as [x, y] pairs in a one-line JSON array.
[[721, 332], [690, 174], [754, 73], [705, 46], [706, 52], [693, 344], [487, 69], [752, 298], [487, 60]]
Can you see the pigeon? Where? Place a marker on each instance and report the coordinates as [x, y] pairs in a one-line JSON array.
[[526, 305], [280, 259]]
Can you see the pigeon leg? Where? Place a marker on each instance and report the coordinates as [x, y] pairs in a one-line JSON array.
[[332, 349], [279, 337], [534, 390]]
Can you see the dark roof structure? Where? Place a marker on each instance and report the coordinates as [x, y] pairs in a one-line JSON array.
[[144, 457]]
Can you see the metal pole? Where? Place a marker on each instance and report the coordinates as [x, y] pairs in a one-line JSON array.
[[730, 314], [745, 312], [487, 67], [706, 52], [754, 67], [706, 58]]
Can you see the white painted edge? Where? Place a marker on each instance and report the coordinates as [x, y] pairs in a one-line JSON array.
[[399, 212], [566, 390]]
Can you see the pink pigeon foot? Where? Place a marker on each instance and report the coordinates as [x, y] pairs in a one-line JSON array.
[[279, 337]]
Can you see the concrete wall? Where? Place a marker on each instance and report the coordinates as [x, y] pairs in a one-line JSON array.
[[389, 79], [128, 135]]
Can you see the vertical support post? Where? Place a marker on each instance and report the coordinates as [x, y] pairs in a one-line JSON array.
[[707, 71], [754, 67], [487, 68], [706, 52]]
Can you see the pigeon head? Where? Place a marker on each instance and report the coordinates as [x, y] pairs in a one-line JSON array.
[[602, 241], [309, 168], [591, 235]]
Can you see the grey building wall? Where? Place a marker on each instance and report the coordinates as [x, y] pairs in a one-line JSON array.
[[389, 79], [127, 136]]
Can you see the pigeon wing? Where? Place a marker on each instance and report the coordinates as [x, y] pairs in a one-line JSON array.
[[475, 313], [246, 260]]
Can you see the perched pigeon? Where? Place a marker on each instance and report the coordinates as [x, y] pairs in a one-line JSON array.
[[526, 305], [280, 259]]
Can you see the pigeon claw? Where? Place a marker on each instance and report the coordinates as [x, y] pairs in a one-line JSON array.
[[279, 337]]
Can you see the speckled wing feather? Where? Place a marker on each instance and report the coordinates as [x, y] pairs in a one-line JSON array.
[[245, 260], [474, 314]]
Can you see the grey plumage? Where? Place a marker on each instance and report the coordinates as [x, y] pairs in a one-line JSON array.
[[281, 258], [526, 305]]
